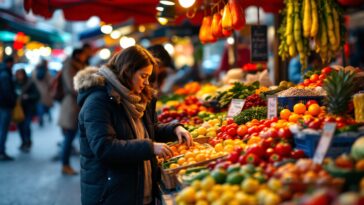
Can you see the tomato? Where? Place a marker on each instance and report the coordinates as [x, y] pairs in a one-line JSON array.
[[315, 124], [330, 119], [322, 77], [242, 130], [275, 158], [272, 132], [252, 159], [231, 131], [310, 102], [252, 129], [284, 133], [326, 70], [297, 154], [223, 128], [219, 135], [269, 152], [306, 82], [230, 121], [233, 157], [283, 149], [255, 149], [314, 77], [340, 119]]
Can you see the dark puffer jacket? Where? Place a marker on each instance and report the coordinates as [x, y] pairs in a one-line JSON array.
[[112, 170]]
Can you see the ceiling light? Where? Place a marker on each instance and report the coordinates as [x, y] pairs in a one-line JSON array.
[[106, 29], [162, 20], [115, 34], [104, 54], [186, 3], [168, 2]]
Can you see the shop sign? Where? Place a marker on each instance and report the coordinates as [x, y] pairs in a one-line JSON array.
[[235, 107], [259, 43], [272, 106], [325, 141]]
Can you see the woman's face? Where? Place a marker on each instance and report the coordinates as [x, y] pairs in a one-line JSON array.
[[141, 79]]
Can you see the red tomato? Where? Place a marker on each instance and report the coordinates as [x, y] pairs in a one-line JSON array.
[[233, 157], [314, 77], [306, 82], [230, 121], [283, 149], [223, 128], [252, 130], [272, 132], [326, 70], [284, 133], [269, 152], [255, 149], [322, 77], [310, 102], [252, 159], [275, 158], [297, 154], [231, 131]]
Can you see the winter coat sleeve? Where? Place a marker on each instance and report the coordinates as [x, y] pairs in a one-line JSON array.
[[7, 92], [102, 139], [163, 132]]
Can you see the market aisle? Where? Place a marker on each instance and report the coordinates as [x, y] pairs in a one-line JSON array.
[[34, 178]]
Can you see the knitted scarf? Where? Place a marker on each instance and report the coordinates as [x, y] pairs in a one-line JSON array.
[[135, 110]]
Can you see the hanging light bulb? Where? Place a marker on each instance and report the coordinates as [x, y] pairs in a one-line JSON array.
[[162, 20], [106, 29], [168, 2], [186, 3]]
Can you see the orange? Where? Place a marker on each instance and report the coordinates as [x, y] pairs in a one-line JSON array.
[[173, 166], [182, 147], [189, 155], [314, 109], [299, 108], [285, 113], [200, 157], [219, 147], [294, 117], [181, 160], [173, 148]]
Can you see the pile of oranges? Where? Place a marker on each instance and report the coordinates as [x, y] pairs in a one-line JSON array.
[[302, 111]]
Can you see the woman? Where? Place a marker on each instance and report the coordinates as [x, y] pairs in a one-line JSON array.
[[28, 95], [69, 108], [118, 129]]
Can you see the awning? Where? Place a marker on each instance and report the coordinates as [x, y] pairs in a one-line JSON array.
[[14, 24]]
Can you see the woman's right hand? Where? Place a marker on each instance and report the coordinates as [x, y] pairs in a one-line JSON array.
[[162, 150]]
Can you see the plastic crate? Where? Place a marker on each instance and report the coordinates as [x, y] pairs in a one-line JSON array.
[[340, 143], [289, 102]]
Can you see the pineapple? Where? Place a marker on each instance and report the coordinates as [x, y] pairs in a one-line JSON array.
[[339, 87]]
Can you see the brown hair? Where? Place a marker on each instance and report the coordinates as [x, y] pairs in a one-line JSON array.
[[124, 64]]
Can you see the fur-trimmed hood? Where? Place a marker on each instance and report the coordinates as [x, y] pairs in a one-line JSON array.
[[88, 78]]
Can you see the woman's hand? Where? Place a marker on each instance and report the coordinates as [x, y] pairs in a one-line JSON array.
[[182, 133], [162, 150]]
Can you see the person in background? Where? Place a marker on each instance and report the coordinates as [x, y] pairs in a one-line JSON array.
[[69, 108], [28, 95], [42, 79], [118, 130], [166, 72], [7, 103]]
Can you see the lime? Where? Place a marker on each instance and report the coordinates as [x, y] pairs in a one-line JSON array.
[[235, 178], [219, 176]]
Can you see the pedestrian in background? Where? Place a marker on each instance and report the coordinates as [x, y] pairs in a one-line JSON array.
[[7, 103], [42, 79], [29, 96], [69, 108], [118, 130]]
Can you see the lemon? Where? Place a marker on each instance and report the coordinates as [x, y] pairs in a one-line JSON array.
[[201, 195], [196, 184], [242, 197], [227, 196], [202, 202], [212, 196], [207, 183], [188, 195], [250, 185]]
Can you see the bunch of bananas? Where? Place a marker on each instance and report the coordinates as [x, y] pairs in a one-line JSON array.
[[319, 21]]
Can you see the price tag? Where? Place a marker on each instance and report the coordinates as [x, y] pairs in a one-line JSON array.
[[324, 143], [235, 107], [272, 106]]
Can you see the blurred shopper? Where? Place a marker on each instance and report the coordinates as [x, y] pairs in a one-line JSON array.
[[42, 79], [28, 95], [7, 103], [69, 108], [118, 127], [166, 72]]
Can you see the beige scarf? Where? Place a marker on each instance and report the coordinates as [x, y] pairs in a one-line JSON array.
[[135, 110]]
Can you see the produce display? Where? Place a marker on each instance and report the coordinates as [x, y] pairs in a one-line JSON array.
[[250, 159], [318, 20]]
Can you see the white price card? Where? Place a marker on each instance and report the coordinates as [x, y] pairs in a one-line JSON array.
[[235, 107], [272, 103], [325, 141]]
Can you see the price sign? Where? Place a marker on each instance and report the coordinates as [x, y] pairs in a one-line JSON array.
[[272, 106], [325, 140], [235, 107], [259, 43]]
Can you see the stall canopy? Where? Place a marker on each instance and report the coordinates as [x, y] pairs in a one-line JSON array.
[[12, 23]]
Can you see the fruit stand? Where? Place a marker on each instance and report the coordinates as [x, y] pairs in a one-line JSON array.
[[253, 159]]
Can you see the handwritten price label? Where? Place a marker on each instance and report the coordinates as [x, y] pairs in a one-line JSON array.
[[272, 106], [325, 141], [235, 107]]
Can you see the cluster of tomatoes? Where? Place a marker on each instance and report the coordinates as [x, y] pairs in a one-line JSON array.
[[316, 79]]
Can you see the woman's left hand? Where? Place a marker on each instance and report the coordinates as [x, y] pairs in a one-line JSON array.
[[182, 133]]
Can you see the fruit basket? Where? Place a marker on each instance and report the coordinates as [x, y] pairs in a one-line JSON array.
[[341, 143]]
